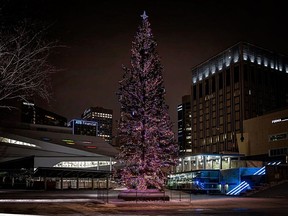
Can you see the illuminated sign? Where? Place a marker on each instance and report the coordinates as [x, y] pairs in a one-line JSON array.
[[279, 120], [277, 137], [28, 104], [82, 122], [49, 117], [69, 141]]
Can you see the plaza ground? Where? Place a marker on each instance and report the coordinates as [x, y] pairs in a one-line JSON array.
[[97, 203]]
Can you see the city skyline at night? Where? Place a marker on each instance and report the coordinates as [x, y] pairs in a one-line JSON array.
[[143, 107], [97, 38]]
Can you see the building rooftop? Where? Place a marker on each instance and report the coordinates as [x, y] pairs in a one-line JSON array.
[[240, 51]]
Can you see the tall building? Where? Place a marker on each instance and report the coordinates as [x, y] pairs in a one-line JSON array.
[[184, 125], [104, 118], [32, 114], [242, 82]]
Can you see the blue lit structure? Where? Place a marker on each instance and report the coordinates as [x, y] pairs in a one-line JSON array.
[[217, 173], [84, 127], [244, 185], [237, 190], [198, 181]]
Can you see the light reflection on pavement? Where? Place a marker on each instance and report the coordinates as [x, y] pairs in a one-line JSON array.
[[89, 203]]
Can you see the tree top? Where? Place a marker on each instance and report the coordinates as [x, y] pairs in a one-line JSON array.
[[144, 16]]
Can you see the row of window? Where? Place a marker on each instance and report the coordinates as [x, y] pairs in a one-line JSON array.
[[210, 84], [102, 115], [215, 147], [206, 105], [278, 152], [220, 132], [224, 60]]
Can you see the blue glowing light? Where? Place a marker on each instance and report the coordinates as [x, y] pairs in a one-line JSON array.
[[239, 188]]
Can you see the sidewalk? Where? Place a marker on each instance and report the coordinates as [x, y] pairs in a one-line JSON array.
[[95, 196], [90, 203]]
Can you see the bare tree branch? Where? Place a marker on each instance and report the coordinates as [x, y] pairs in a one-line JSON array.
[[24, 67]]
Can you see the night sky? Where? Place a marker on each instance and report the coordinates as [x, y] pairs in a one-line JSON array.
[[98, 35]]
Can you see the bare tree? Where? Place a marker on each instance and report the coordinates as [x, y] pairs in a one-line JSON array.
[[24, 67]]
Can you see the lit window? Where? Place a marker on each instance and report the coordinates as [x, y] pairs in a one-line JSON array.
[[213, 69], [252, 58], [236, 58], [265, 62], [245, 57]]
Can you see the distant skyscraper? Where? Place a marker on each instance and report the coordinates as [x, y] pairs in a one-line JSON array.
[[104, 118], [239, 83], [32, 114], [184, 125]]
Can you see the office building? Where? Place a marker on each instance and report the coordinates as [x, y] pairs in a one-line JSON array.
[[184, 125], [84, 127], [240, 83], [32, 114], [104, 118]]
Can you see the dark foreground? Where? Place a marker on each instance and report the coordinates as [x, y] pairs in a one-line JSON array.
[[86, 203]]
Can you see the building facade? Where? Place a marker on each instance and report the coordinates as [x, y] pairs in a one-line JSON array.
[[184, 125], [84, 127], [32, 114], [240, 83], [266, 136], [51, 157], [104, 118]]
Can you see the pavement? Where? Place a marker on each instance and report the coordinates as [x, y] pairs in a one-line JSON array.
[[103, 202], [96, 196], [278, 190]]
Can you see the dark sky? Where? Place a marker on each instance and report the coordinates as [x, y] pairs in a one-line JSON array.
[[98, 36]]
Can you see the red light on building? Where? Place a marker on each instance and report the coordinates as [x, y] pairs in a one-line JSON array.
[[90, 147]]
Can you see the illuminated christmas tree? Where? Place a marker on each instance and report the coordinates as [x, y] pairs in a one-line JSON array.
[[148, 148]]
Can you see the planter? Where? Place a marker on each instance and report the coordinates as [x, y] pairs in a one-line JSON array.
[[143, 195]]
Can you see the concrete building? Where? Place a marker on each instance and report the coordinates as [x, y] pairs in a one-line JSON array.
[[266, 136]]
